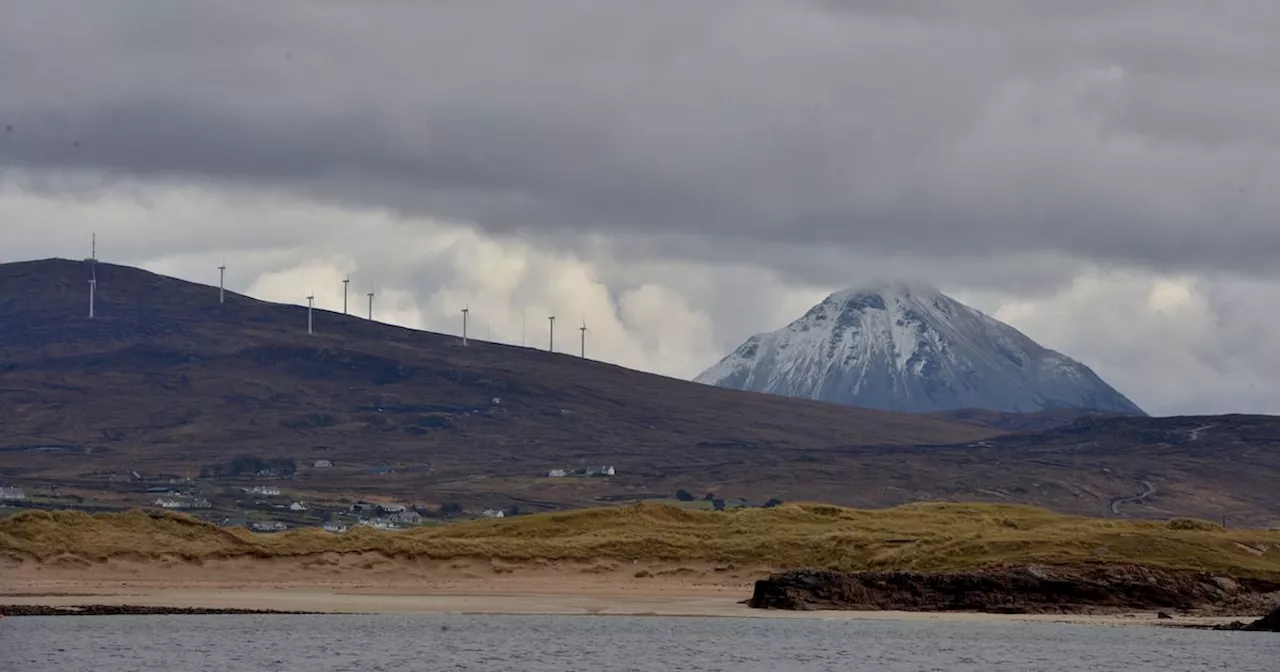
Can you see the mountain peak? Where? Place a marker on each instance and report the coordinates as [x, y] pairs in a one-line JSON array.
[[889, 288], [903, 345]]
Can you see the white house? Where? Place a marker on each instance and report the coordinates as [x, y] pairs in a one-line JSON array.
[[297, 506], [335, 526], [323, 464], [600, 471], [557, 473], [493, 513], [167, 503], [12, 493], [264, 490], [406, 518]]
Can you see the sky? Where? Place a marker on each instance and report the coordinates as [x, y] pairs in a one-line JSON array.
[[679, 175]]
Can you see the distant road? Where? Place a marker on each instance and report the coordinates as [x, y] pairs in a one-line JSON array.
[[1118, 501]]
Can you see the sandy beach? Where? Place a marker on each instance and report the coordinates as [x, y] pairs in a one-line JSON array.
[[369, 585]]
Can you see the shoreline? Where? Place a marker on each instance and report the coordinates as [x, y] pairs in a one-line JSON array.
[[668, 602]]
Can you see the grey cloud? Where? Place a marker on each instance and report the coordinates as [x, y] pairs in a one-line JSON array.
[[1138, 133]]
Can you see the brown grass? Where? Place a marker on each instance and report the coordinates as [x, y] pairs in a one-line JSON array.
[[930, 537]]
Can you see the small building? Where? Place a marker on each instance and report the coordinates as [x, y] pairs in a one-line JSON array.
[[557, 473], [406, 518], [323, 464], [387, 509], [493, 513], [12, 493], [264, 490], [170, 503], [297, 506], [600, 471], [335, 527], [268, 526]]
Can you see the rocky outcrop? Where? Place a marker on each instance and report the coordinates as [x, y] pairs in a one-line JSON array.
[[1024, 589], [1268, 623]]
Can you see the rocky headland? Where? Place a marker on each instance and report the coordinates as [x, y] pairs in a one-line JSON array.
[[1027, 589]]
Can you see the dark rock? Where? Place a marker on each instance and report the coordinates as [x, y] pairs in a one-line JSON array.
[[1163, 615], [1024, 589], [1268, 623]]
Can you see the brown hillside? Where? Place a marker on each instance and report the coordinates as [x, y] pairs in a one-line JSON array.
[[167, 382]]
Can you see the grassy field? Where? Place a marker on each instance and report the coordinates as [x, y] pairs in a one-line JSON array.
[[928, 537]]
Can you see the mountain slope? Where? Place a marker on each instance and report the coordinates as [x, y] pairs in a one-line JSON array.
[[164, 380], [907, 347]]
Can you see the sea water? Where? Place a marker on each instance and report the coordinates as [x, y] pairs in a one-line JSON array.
[[594, 643]]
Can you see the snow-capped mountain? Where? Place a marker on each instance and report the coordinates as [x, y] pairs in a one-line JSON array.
[[903, 346]]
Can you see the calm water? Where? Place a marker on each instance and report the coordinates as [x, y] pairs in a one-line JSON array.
[[545, 643]]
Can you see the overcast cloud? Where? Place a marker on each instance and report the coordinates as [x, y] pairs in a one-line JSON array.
[[680, 174]]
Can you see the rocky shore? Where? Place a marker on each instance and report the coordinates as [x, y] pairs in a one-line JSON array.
[[120, 609], [1268, 623], [1019, 590]]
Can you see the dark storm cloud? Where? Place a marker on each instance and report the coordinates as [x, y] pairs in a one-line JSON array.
[[1139, 133]]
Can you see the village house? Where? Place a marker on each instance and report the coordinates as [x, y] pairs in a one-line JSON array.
[[264, 490], [387, 509], [12, 493], [334, 526], [600, 471], [269, 526], [406, 518], [557, 473], [323, 464], [297, 506], [493, 513], [177, 503]]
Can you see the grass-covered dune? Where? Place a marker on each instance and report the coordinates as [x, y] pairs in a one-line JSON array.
[[924, 537]]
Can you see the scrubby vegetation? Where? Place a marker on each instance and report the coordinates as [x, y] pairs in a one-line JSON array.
[[926, 537]]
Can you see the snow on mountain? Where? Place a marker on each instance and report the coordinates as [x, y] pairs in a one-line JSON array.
[[905, 346]]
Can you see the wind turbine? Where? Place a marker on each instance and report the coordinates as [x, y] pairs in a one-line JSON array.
[[93, 286], [584, 331], [222, 280], [551, 345], [465, 310], [93, 270], [524, 317], [311, 299], [345, 282], [370, 302]]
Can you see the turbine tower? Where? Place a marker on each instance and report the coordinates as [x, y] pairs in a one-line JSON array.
[[370, 303], [465, 310], [345, 282], [584, 331], [93, 287], [311, 299], [222, 281], [93, 271], [551, 344]]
